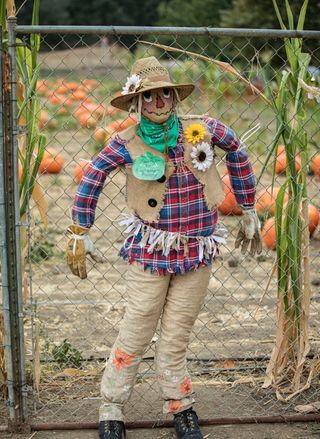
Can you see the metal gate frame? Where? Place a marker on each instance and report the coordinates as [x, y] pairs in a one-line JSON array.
[[10, 220]]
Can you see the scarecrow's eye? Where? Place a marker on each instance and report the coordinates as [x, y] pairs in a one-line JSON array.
[[147, 96], [166, 93]]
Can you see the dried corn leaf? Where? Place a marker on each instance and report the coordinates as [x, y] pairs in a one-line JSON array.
[[313, 407], [314, 91], [25, 287], [39, 199], [73, 372], [37, 364], [226, 67], [244, 380]]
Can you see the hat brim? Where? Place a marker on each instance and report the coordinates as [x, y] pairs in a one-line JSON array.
[[123, 102]]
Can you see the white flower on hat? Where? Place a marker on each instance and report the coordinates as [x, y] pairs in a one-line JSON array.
[[132, 85], [202, 155]]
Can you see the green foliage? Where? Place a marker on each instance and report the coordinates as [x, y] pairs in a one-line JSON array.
[[261, 15], [289, 111], [67, 355], [192, 13]]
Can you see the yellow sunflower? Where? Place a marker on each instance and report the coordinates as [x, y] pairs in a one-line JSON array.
[[195, 133]]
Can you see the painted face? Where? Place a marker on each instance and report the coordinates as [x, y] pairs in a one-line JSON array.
[[158, 104]]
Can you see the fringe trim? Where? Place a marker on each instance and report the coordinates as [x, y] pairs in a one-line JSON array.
[[162, 240]]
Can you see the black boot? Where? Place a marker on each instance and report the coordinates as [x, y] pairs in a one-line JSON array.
[[187, 425], [111, 430]]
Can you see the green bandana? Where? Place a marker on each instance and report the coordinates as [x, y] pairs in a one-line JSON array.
[[153, 134]]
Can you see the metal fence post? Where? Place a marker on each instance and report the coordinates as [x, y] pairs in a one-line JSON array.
[[4, 258], [10, 240]]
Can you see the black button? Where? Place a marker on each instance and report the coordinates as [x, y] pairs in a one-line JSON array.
[[162, 179], [152, 202]]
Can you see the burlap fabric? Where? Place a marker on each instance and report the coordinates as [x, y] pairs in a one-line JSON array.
[[140, 192], [152, 75], [180, 298]]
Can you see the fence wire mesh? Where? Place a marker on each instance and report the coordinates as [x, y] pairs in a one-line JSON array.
[[71, 324]]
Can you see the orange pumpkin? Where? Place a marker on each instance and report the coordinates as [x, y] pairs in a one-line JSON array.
[[95, 109], [268, 233], [315, 165], [229, 205], [281, 163], [89, 83], [128, 122], [52, 123], [43, 120], [41, 86], [112, 111], [114, 127], [80, 169], [62, 111], [266, 200], [101, 135], [56, 99], [87, 120], [314, 216], [72, 86], [78, 95], [281, 149], [52, 162], [63, 89]]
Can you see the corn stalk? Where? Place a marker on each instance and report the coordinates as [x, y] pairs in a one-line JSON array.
[[32, 142], [287, 365]]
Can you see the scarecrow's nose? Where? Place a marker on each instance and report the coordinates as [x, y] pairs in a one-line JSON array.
[[159, 102]]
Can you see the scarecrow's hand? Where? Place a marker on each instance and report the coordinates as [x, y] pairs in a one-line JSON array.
[[79, 245], [249, 233]]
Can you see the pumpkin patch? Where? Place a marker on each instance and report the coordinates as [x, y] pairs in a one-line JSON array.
[[80, 169], [229, 205], [52, 162], [266, 200], [315, 165]]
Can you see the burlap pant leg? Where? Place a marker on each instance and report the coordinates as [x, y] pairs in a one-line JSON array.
[[146, 294], [183, 302]]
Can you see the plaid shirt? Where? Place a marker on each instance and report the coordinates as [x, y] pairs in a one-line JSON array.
[[184, 209]]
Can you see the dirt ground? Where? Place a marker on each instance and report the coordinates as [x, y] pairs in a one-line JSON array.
[[263, 431]]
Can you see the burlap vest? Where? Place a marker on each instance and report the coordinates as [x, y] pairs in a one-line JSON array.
[[146, 197]]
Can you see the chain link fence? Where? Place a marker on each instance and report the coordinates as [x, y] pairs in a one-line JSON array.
[[70, 324]]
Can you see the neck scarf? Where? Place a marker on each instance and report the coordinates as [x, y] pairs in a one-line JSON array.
[[158, 135]]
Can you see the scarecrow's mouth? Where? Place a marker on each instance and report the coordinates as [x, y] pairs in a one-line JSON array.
[[158, 114]]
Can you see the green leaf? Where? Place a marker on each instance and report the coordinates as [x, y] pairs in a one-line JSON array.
[[35, 38], [30, 91], [289, 15], [24, 62], [302, 15], [278, 14], [30, 184], [3, 15], [271, 151]]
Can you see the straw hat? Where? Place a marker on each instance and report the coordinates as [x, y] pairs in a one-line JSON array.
[[148, 74]]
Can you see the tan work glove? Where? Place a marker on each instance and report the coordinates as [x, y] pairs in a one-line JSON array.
[[249, 233], [79, 245]]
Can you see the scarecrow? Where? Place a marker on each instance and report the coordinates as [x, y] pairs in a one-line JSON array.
[[173, 188]]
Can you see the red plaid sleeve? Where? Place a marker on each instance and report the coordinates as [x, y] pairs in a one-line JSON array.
[[91, 185], [239, 167]]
